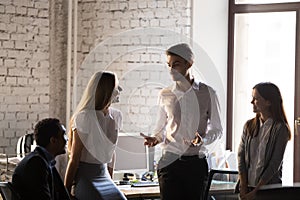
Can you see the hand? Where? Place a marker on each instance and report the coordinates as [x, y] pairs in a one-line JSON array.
[[149, 141], [243, 191], [249, 196], [197, 141], [73, 197]]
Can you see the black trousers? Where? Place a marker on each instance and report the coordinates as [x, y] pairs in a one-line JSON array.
[[185, 178]]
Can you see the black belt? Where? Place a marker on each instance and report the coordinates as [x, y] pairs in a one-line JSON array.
[[182, 157], [194, 157]]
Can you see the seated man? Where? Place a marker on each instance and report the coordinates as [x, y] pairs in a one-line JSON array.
[[36, 177]]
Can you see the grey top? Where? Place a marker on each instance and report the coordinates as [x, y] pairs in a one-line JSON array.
[[257, 152], [276, 143]]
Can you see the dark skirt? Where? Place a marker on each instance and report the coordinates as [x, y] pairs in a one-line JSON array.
[[93, 182]]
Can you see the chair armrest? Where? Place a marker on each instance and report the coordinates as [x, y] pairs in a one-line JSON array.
[[222, 171]]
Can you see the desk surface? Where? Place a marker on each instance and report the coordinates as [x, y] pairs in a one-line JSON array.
[[221, 187], [136, 192], [7, 166], [143, 192], [13, 161]]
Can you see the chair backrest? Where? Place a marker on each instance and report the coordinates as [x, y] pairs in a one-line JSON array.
[[210, 178], [24, 145], [8, 192]]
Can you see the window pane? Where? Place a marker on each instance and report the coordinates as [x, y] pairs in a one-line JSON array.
[[263, 1], [264, 51]]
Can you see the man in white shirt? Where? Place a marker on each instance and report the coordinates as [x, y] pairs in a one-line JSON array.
[[189, 119]]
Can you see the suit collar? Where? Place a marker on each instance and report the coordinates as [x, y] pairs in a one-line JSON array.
[[46, 155]]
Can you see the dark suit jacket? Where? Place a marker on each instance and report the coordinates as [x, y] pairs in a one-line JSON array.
[[35, 179]]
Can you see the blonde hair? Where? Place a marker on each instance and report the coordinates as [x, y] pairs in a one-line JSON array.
[[96, 96]]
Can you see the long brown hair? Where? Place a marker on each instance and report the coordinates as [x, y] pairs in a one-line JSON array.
[[270, 92]]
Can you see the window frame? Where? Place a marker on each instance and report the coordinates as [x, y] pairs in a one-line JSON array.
[[259, 8]]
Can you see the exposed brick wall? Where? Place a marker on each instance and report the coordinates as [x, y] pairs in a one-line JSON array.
[[130, 38], [24, 68], [58, 58], [127, 37]]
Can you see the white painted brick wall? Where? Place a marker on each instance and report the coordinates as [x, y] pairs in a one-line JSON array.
[[137, 59], [140, 69], [24, 27]]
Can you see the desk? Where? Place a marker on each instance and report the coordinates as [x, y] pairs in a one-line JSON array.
[[7, 166], [279, 192], [140, 192], [216, 188], [221, 187]]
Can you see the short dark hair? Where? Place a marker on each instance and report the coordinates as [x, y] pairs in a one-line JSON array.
[[182, 50], [45, 129]]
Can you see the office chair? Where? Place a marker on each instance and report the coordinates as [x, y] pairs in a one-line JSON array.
[[278, 192], [212, 172], [8, 192], [25, 145], [8, 162]]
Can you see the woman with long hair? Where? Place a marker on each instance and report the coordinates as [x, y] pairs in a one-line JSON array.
[[92, 141], [263, 142]]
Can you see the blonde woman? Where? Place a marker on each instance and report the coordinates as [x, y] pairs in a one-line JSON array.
[[92, 141]]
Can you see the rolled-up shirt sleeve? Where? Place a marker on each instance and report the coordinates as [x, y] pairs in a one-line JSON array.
[[161, 122], [214, 126]]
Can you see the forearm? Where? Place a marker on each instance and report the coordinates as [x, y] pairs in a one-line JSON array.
[[211, 136], [243, 183], [160, 125], [73, 164], [214, 126], [243, 170], [259, 184], [110, 171], [70, 173], [242, 155], [111, 165]]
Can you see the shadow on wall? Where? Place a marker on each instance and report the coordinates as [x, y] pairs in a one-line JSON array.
[[142, 72]]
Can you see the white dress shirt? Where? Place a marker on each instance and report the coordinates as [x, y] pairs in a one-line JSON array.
[[182, 114]]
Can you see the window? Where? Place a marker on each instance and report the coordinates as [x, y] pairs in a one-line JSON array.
[[263, 1], [262, 47]]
